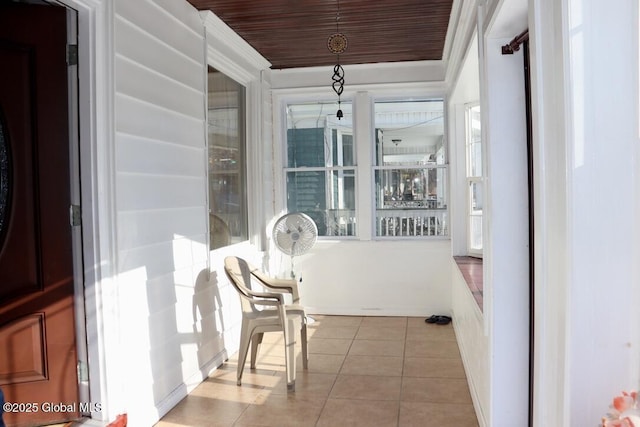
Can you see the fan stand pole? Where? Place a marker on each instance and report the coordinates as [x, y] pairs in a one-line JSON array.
[[308, 319]]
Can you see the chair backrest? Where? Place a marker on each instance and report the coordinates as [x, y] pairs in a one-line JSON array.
[[239, 273]]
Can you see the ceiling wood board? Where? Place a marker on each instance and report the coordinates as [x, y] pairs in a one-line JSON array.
[[294, 33]]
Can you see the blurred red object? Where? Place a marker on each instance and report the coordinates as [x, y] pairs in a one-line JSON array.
[[120, 421]]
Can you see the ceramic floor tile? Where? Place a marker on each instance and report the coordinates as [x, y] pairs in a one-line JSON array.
[[308, 384], [386, 322], [200, 409], [359, 413], [432, 348], [282, 411], [416, 321], [366, 387], [323, 320], [344, 332], [323, 363], [431, 332], [435, 390], [376, 348], [329, 346], [419, 414], [433, 368], [372, 365], [381, 333]]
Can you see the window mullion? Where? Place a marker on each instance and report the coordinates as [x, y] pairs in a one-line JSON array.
[[363, 127]]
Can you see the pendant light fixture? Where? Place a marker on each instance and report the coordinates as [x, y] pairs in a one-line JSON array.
[[337, 43]]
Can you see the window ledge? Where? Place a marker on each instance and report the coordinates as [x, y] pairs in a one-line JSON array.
[[471, 269]]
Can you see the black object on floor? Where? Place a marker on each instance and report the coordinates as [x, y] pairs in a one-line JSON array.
[[438, 319]]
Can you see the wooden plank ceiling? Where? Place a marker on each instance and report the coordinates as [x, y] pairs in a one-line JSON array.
[[294, 33]]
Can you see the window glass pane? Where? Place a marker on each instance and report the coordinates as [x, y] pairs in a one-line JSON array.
[[410, 169], [475, 215], [321, 166], [227, 161], [410, 133], [475, 233], [316, 138], [474, 178], [328, 197], [474, 141], [410, 188], [476, 198]]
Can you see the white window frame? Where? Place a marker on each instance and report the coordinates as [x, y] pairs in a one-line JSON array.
[[328, 170], [228, 53], [362, 99], [444, 221], [471, 180]]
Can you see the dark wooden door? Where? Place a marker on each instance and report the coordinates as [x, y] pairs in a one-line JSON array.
[[37, 335]]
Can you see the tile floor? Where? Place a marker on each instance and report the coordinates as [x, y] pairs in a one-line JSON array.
[[363, 371]]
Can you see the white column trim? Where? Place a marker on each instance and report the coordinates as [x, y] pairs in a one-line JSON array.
[[97, 158]]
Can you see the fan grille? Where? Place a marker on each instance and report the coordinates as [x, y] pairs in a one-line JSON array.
[[295, 233]]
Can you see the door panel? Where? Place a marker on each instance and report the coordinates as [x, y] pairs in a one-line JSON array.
[[37, 335]]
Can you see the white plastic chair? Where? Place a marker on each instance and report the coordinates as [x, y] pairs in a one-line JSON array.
[[267, 312]]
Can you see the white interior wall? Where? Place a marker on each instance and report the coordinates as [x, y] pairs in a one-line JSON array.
[[586, 118], [362, 276], [469, 320], [494, 344], [505, 235]]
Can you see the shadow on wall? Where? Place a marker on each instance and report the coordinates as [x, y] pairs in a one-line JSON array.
[[208, 322]]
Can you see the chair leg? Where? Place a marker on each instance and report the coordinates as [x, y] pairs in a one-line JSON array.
[[290, 353], [303, 338], [256, 342], [245, 340]]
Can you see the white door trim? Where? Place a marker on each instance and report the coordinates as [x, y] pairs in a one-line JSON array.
[[96, 163]]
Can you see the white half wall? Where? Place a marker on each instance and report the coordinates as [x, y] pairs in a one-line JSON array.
[[473, 343], [394, 278]]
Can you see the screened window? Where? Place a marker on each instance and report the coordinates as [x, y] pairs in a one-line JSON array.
[[410, 169], [227, 160], [320, 166], [475, 198]]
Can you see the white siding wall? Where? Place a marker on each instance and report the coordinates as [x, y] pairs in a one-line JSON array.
[[165, 302], [473, 343]]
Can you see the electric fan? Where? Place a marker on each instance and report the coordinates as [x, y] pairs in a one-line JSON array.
[[294, 234]]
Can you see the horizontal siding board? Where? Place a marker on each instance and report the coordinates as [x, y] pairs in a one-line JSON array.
[[147, 156], [152, 19], [161, 259], [134, 117], [161, 292], [134, 44], [183, 12], [149, 227], [142, 192], [151, 87]]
